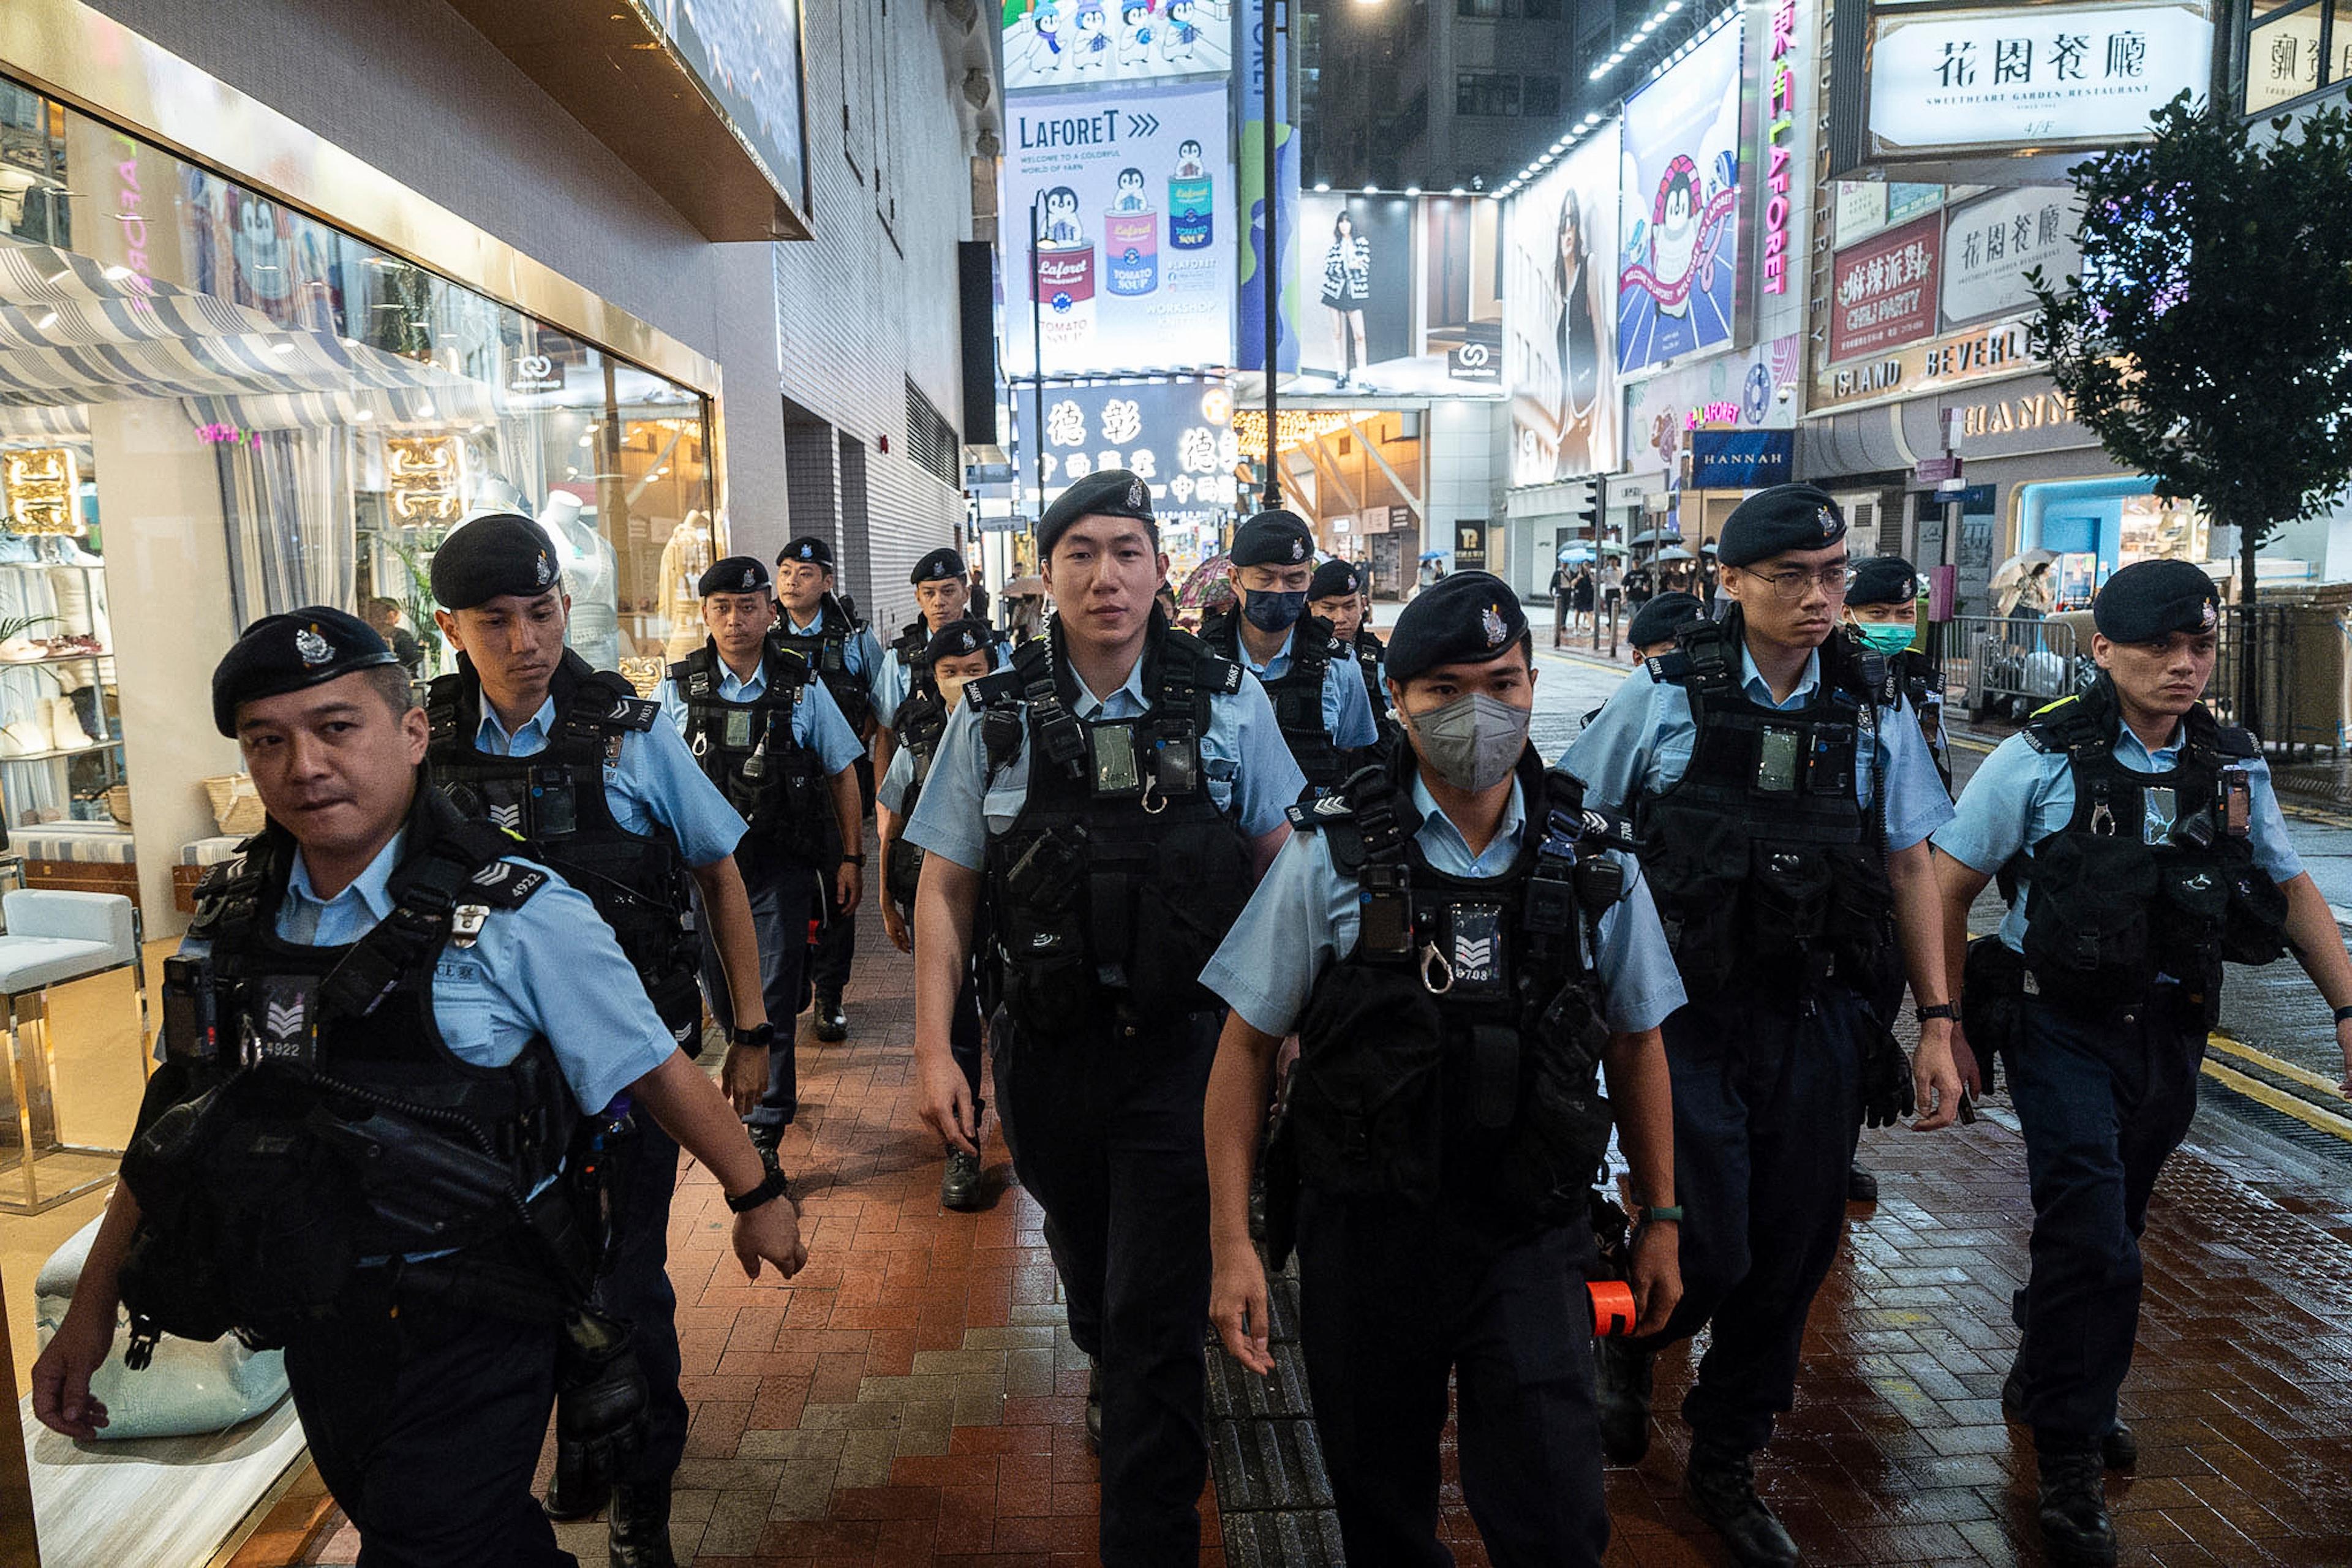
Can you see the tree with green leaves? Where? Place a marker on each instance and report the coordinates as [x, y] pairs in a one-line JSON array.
[[2208, 342]]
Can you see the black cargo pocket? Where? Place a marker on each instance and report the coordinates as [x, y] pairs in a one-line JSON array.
[[1049, 980], [2195, 908], [1697, 863], [1860, 925], [2254, 930], [1788, 900], [1367, 1106], [1553, 1155], [2087, 940]]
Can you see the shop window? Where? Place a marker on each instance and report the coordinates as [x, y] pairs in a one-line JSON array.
[[2294, 47]]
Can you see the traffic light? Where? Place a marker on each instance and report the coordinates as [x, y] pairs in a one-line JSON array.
[[1587, 511]]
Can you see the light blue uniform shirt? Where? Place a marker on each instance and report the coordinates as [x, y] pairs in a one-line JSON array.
[[861, 655], [550, 967], [1640, 745], [1306, 916], [653, 782], [1347, 707], [1248, 770], [817, 723], [2021, 796]]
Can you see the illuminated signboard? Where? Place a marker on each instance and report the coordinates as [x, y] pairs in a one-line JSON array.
[[1176, 436], [1779, 133]]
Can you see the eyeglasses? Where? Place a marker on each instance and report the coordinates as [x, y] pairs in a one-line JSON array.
[[1790, 584]]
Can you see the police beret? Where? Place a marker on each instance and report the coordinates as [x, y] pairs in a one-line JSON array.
[[808, 548], [1112, 493], [1470, 618], [1775, 521], [1273, 539], [937, 566], [956, 639], [498, 553], [1663, 616], [736, 574], [2152, 599], [1333, 580], [1882, 580], [279, 654]]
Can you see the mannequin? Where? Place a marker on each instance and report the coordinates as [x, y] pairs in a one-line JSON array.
[[684, 560], [592, 576]]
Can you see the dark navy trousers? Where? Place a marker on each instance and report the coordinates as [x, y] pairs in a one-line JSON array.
[[783, 899], [1105, 1130], [1766, 1106], [2102, 1101], [426, 1427], [637, 1287], [1392, 1302]]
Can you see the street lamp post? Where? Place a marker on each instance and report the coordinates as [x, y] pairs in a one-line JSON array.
[[1036, 367], [1266, 263]]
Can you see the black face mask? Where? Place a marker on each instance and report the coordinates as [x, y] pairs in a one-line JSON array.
[[1274, 612]]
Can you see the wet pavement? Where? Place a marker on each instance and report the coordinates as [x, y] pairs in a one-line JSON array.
[[913, 1397]]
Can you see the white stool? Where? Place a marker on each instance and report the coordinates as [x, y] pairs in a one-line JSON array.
[[53, 937]]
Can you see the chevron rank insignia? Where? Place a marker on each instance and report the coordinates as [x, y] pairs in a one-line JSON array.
[[1476, 949], [505, 884], [282, 1022], [636, 713]]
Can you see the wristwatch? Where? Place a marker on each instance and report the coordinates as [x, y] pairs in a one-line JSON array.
[[2342, 1014], [759, 1037], [1949, 1010], [853, 860], [1648, 1214], [774, 1186]]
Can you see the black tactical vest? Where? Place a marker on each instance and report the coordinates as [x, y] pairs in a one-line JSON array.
[[748, 749], [315, 1119], [1764, 866], [1371, 655], [919, 724], [1297, 694], [1455, 1052], [1914, 678], [555, 802], [827, 651], [2154, 874], [1115, 884]]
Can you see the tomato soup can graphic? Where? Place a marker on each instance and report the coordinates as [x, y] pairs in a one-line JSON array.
[[1063, 283], [1130, 252], [1188, 206]]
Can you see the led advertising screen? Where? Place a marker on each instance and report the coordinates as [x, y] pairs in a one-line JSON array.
[[1400, 295], [1560, 299], [1131, 192], [747, 54], [1678, 218], [1080, 43]]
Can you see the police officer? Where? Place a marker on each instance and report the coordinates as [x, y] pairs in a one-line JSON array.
[[769, 737], [1338, 593], [401, 1030], [525, 735], [942, 598], [848, 659], [1778, 820], [1318, 698], [1881, 612], [2144, 843], [1459, 953], [950, 659], [1652, 630], [1116, 793]]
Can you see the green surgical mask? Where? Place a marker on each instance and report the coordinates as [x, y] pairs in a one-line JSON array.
[[1884, 636]]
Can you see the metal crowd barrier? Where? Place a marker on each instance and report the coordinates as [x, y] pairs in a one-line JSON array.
[[2007, 667]]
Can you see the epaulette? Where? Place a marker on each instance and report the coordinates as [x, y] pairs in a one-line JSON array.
[[2236, 742], [504, 884], [1667, 667], [1211, 671], [995, 689], [616, 704], [1308, 815]]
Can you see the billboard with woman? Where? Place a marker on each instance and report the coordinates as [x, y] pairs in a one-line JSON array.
[[1561, 309]]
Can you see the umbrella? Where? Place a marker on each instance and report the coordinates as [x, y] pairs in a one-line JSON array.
[[1206, 579], [1433, 555], [1576, 553], [1612, 548], [1707, 549], [1032, 586], [1676, 554], [1655, 536], [2009, 578]]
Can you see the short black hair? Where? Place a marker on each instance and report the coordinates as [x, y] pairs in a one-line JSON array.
[[395, 685]]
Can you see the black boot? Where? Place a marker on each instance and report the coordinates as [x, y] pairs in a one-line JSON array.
[[960, 1183], [2119, 1451], [1094, 1403], [640, 1534], [2073, 1507], [1721, 1484], [580, 1483], [1861, 1186], [832, 1024], [763, 1140], [1621, 1387]]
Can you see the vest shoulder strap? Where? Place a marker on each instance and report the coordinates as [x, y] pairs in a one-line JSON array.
[[442, 700], [228, 895], [1702, 659], [2070, 725], [605, 700], [1208, 671]]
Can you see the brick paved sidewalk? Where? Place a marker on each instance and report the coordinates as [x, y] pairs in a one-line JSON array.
[[913, 1398]]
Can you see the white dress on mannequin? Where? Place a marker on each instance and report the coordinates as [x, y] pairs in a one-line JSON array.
[[591, 576]]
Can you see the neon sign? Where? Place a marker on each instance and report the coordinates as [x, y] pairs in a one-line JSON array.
[[1702, 415], [1779, 158]]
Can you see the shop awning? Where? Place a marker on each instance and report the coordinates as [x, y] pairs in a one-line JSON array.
[[73, 333]]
